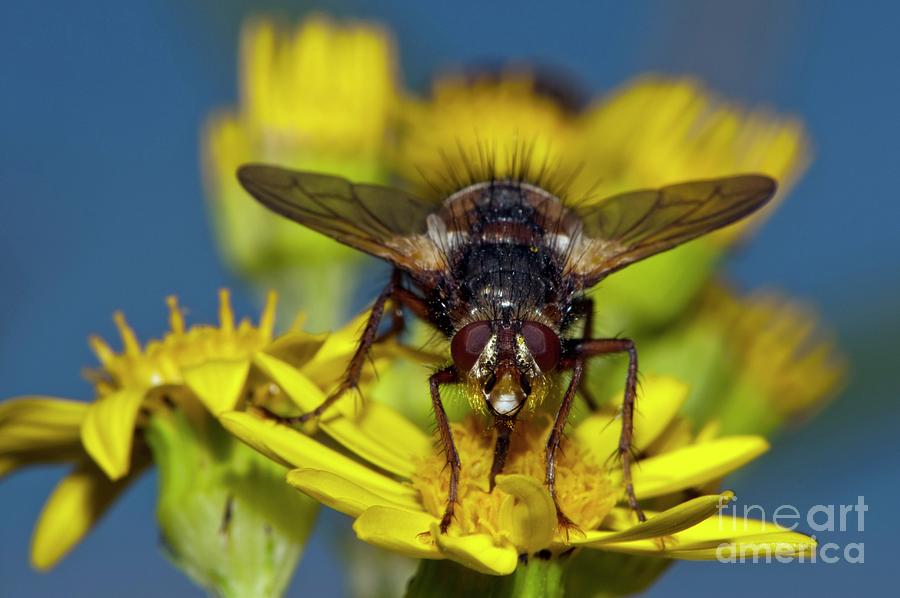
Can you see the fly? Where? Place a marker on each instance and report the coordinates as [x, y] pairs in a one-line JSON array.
[[501, 268]]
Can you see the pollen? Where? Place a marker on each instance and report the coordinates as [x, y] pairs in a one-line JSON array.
[[583, 488]]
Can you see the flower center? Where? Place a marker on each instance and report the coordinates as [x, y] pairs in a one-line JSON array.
[[583, 489]]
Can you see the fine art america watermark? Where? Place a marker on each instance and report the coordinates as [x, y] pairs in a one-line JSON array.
[[832, 520]]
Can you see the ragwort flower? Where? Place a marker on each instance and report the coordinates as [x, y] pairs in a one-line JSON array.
[[397, 497], [156, 404], [785, 367], [321, 98], [498, 125]]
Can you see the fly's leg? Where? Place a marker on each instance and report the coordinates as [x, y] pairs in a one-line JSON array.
[[398, 324], [585, 308], [592, 347], [556, 434], [403, 298], [447, 375], [369, 337]]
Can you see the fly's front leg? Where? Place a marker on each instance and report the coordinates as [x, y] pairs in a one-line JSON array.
[[354, 370], [556, 435], [447, 375], [591, 348]]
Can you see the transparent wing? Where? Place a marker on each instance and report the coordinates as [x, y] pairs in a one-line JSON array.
[[383, 222], [629, 227]]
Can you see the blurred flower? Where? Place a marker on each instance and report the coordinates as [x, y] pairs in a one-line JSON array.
[[397, 498], [320, 99], [223, 512], [753, 362], [35, 430], [657, 131], [473, 128], [785, 366]]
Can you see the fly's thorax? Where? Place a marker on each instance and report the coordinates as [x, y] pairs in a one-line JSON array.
[[503, 211]]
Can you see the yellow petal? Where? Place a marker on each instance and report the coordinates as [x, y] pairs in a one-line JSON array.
[[670, 521], [659, 401], [296, 450], [39, 429], [476, 551], [784, 544], [764, 547], [695, 465], [398, 530], [527, 515], [699, 541], [405, 440], [339, 346], [305, 393], [728, 525], [296, 348], [217, 383], [108, 430], [75, 505], [362, 433], [345, 496]]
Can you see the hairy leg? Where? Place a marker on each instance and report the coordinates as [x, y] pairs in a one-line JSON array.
[[556, 434], [448, 375], [401, 298], [369, 337], [593, 347]]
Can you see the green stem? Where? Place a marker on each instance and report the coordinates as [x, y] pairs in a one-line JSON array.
[[536, 578], [539, 577]]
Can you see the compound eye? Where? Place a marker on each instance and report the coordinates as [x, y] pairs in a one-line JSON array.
[[543, 343], [468, 343]]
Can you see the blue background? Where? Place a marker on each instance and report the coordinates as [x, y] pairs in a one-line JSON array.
[[101, 208]]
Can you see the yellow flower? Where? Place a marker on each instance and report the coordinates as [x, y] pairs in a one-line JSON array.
[[320, 98], [786, 366], [656, 131], [153, 395], [492, 126], [397, 497], [213, 362]]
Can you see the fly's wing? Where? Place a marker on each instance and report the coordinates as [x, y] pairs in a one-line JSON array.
[[632, 226], [383, 222]]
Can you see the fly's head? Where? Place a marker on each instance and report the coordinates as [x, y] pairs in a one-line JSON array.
[[506, 362]]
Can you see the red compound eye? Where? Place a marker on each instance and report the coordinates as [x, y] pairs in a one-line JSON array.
[[543, 344], [468, 343]]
